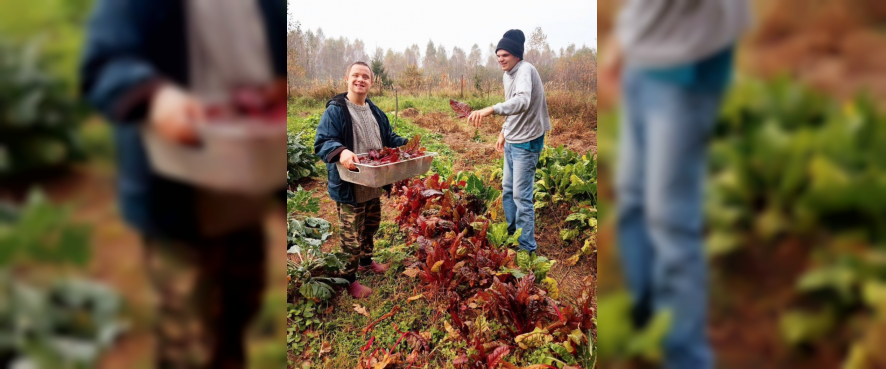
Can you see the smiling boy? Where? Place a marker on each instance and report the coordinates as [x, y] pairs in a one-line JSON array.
[[522, 136], [352, 124]]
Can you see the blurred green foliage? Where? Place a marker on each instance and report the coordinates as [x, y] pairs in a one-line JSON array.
[[788, 164]]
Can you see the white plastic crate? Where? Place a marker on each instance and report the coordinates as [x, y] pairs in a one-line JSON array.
[[243, 157], [380, 175]]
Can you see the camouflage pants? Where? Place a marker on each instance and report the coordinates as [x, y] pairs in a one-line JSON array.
[[208, 291], [358, 227]]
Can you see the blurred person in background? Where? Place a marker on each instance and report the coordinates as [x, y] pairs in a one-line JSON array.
[[522, 137], [152, 63], [350, 125], [671, 61]]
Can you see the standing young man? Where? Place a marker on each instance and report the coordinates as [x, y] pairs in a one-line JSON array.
[[677, 58], [522, 136], [149, 63], [353, 125]]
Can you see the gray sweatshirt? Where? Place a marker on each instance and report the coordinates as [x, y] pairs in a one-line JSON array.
[[227, 47], [668, 33], [525, 105], [366, 137]]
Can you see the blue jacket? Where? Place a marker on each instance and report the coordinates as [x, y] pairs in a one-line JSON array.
[[131, 48], [336, 133]]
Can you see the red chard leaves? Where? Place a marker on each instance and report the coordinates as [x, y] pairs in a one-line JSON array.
[[388, 155], [461, 109]]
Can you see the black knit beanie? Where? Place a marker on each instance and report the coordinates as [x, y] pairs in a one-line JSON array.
[[512, 43]]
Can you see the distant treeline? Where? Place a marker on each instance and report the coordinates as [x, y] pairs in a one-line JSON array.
[[313, 58]]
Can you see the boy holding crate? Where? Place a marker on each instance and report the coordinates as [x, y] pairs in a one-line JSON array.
[[353, 124], [143, 65]]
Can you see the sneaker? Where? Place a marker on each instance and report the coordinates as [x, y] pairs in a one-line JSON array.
[[374, 267], [359, 291]]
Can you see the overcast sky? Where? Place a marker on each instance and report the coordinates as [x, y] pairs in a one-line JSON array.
[[397, 24]]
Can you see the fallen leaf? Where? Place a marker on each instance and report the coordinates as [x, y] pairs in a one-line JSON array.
[[325, 348], [472, 305], [568, 345], [361, 310], [388, 360], [412, 357], [573, 260], [577, 336], [411, 272], [308, 353], [537, 338], [329, 309], [436, 267], [416, 297], [452, 333], [425, 335]]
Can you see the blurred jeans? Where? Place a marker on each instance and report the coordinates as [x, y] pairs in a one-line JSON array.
[[661, 169], [518, 182]]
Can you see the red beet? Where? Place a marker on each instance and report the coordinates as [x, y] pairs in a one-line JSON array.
[[264, 104]]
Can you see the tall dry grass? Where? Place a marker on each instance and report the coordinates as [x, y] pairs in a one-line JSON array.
[[573, 108]]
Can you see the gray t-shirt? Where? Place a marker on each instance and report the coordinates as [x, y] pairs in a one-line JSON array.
[[656, 33], [227, 47], [366, 137]]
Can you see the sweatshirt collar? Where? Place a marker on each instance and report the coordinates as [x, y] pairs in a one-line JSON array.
[[514, 69]]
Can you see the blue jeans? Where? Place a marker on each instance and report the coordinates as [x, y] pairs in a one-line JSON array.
[[518, 181], [661, 169]]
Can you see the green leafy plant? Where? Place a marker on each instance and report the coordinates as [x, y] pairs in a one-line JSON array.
[[583, 217], [474, 185], [531, 263], [498, 235], [563, 175], [307, 277], [623, 340], [302, 317], [51, 321], [39, 116], [310, 232], [301, 201], [39, 232], [301, 159], [311, 275]]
